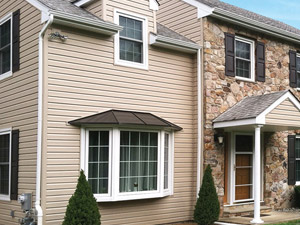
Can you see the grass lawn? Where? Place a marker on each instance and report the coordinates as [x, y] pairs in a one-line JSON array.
[[289, 223]]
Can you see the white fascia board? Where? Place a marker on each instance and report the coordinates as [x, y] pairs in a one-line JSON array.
[[171, 43], [287, 95], [81, 3], [44, 9], [153, 5], [254, 25], [203, 10], [91, 25], [237, 123]]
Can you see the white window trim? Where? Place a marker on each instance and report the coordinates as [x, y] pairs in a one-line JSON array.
[[3, 132], [2, 21], [252, 58], [144, 20], [114, 166]]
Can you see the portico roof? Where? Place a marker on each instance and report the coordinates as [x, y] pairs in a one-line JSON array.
[[277, 111]]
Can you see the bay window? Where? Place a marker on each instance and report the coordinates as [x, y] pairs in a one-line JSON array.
[[128, 164]]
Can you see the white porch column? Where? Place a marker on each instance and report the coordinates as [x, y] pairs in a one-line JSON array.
[[257, 176]]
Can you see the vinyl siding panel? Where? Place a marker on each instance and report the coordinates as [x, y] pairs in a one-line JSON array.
[[96, 8], [286, 114], [82, 80], [182, 18], [18, 102]]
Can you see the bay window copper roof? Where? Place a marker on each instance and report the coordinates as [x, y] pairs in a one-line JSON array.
[[125, 118]]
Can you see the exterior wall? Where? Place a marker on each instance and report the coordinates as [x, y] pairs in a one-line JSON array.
[[82, 80], [182, 18], [96, 8], [286, 114], [18, 102], [222, 92]]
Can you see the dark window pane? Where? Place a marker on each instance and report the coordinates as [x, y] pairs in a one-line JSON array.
[[93, 154], [153, 139], [242, 50], [297, 170], [94, 185], [94, 138], [4, 148], [144, 139], [144, 154], [298, 80], [104, 138], [134, 154], [244, 143], [103, 186], [5, 59], [243, 68], [5, 34], [93, 170], [134, 169], [298, 63], [153, 154], [103, 170], [298, 148], [104, 152], [134, 138], [124, 153], [124, 138], [4, 174]]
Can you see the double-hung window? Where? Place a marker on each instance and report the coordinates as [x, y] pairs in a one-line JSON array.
[[298, 70], [5, 155], [125, 164], [244, 59], [5, 47], [131, 42]]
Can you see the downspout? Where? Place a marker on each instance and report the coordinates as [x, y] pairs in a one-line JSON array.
[[199, 120], [38, 208]]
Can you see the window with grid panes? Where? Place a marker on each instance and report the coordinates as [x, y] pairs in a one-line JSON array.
[[244, 58], [5, 47], [297, 149], [4, 163]]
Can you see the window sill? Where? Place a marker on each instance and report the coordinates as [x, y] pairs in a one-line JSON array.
[[131, 64], [298, 89], [129, 197], [298, 182], [245, 79], [4, 198], [5, 75]]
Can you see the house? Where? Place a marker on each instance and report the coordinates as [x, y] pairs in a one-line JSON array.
[[140, 94]]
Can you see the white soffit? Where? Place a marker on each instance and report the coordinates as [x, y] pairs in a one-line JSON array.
[[153, 5], [203, 10]]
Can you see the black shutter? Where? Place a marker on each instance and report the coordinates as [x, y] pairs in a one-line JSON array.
[[14, 165], [293, 69], [229, 55], [291, 162], [16, 41], [260, 62]]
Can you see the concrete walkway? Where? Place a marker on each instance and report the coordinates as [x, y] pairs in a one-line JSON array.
[[268, 218]]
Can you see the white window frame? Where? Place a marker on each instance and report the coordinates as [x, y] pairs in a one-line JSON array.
[[2, 21], [144, 20], [297, 182], [4, 132], [252, 58], [114, 193]]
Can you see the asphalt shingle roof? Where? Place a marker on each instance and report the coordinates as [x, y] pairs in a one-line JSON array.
[[250, 15], [66, 6], [249, 107]]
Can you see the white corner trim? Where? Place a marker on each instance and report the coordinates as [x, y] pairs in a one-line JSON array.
[[81, 3], [203, 10], [235, 123], [44, 9], [153, 5]]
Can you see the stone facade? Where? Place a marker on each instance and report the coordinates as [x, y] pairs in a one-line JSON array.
[[222, 92]]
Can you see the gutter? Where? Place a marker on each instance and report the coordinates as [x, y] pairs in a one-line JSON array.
[[251, 24], [39, 210], [82, 23], [172, 43]]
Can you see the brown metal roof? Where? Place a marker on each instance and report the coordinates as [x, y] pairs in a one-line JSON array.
[[120, 117]]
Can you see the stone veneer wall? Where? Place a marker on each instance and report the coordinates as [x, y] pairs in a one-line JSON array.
[[222, 92]]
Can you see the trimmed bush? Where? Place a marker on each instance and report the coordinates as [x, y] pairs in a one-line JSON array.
[[297, 196], [82, 208], [207, 208]]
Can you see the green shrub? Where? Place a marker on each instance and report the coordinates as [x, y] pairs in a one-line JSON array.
[[82, 208], [207, 208], [297, 196]]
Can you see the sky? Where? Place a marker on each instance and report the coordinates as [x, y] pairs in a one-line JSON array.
[[286, 11]]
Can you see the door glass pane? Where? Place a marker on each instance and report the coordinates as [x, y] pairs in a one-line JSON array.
[[243, 192], [138, 161], [98, 164], [244, 143]]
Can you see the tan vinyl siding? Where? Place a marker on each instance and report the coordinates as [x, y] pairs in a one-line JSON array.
[[18, 102], [286, 114], [96, 8], [83, 80], [182, 18]]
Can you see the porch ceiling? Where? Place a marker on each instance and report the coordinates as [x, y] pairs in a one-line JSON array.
[[278, 111]]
